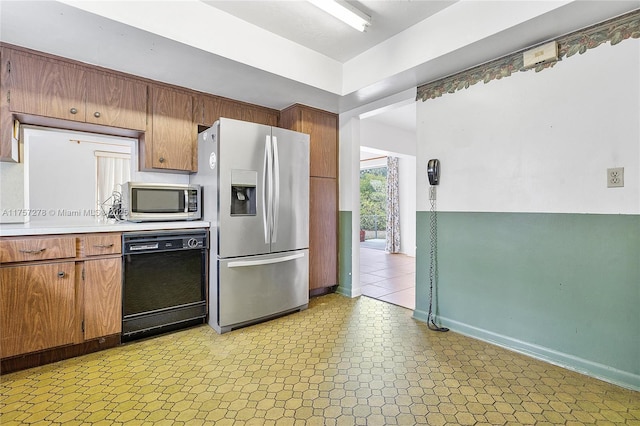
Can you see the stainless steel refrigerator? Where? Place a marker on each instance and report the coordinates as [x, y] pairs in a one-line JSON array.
[[255, 193]]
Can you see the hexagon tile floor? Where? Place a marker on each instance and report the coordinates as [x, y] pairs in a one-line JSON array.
[[341, 362]]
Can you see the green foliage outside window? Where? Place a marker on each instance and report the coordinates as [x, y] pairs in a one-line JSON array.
[[373, 199]]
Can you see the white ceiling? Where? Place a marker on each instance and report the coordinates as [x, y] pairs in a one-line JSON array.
[[276, 53], [309, 26]]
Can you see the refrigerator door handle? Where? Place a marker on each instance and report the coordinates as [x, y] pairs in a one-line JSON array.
[[243, 263], [276, 190], [266, 187]]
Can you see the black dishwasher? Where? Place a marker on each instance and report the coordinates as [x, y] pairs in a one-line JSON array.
[[164, 281]]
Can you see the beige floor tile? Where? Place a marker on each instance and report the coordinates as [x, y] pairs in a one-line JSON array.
[[341, 362]]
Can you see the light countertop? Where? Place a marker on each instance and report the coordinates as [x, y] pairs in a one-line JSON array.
[[89, 225]]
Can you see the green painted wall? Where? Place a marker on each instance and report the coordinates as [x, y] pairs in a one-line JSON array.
[[345, 253], [564, 287]]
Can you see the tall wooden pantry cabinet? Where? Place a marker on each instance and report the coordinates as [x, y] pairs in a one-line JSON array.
[[322, 126]]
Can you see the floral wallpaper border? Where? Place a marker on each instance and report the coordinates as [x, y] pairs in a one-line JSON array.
[[614, 31]]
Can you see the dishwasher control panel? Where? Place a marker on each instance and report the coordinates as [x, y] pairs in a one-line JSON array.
[[146, 242]]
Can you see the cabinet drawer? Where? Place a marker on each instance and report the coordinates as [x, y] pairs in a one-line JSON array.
[[101, 244], [29, 249]]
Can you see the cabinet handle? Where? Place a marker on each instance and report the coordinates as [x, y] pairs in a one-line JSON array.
[[38, 251], [161, 159], [61, 274], [73, 111], [103, 245], [96, 114]]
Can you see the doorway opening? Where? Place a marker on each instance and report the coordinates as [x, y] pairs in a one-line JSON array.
[[373, 205], [385, 276]]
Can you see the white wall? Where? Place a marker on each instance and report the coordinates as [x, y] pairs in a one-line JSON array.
[[572, 122], [535, 253], [387, 138], [57, 174], [407, 176], [12, 196]]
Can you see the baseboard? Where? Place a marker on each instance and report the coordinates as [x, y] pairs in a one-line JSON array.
[[36, 359], [348, 292], [561, 359]]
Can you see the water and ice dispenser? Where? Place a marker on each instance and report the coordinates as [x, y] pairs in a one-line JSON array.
[[243, 192]]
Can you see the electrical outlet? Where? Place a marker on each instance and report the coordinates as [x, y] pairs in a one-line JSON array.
[[615, 177]]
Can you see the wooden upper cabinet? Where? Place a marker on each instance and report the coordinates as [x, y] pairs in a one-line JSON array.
[[171, 141], [8, 147], [45, 87], [322, 126], [115, 101], [214, 107], [49, 88], [260, 115]]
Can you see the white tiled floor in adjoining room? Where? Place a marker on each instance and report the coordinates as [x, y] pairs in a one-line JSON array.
[[388, 277]]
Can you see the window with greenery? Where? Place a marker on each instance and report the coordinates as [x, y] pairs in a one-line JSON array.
[[373, 200]]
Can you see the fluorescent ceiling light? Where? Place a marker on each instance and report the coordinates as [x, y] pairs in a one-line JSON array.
[[344, 12]]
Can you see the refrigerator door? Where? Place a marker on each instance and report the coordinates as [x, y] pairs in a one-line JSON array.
[[290, 190], [253, 288], [243, 183]]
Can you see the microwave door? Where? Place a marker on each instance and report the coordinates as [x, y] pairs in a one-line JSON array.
[[243, 188], [157, 202]]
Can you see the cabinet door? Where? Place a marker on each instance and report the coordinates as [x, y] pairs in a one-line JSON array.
[[8, 148], [174, 134], [323, 128], [260, 115], [38, 307], [117, 102], [43, 87], [216, 107], [102, 297], [323, 235]]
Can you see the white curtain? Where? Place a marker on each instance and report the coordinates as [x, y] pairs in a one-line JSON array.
[[393, 206], [112, 170]]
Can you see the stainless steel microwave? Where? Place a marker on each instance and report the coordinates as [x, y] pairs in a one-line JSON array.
[[149, 202]]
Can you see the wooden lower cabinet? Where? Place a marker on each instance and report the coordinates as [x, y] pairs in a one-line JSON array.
[[60, 296], [102, 297], [35, 249], [37, 307], [323, 235]]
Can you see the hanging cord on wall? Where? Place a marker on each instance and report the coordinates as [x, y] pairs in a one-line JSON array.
[[433, 258]]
